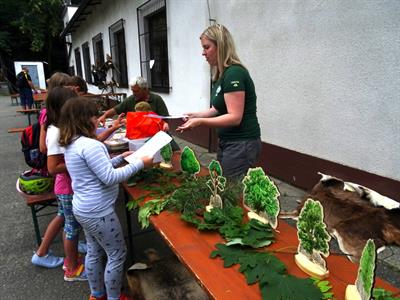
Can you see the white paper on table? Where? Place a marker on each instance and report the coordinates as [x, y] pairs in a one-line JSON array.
[[166, 117], [150, 148]]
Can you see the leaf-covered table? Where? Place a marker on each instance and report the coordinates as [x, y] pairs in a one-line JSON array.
[[193, 248]]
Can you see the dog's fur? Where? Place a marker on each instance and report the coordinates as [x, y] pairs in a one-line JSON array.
[[352, 218]]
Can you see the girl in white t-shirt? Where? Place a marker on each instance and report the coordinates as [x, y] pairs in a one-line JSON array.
[[73, 266]]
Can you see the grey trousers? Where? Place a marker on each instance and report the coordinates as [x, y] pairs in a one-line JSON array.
[[236, 157]]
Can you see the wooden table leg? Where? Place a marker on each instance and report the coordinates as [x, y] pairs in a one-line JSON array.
[[129, 225], [36, 225]]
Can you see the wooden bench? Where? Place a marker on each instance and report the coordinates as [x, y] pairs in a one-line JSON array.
[[29, 112], [15, 130], [193, 249], [37, 203], [14, 97]]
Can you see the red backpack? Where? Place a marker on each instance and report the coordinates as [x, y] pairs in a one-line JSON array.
[[30, 147]]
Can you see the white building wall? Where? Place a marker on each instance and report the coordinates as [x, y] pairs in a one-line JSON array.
[[327, 76], [326, 72]]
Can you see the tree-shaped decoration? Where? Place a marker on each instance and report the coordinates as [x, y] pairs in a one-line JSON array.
[[362, 290], [216, 184], [314, 240], [166, 154], [260, 196], [189, 162]]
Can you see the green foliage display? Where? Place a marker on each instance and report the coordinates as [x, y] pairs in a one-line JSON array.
[[216, 183], [269, 272], [325, 287], [229, 223], [382, 294], [166, 153], [189, 162], [151, 207], [261, 194], [30, 30], [366, 270], [311, 231]]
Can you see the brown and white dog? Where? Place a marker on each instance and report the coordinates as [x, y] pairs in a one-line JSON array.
[[353, 214]]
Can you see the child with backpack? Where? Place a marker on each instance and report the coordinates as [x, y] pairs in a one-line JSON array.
[[95, 179], [42, 256], [73, 267]]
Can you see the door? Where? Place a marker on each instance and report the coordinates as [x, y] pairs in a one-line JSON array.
[[33, 72]]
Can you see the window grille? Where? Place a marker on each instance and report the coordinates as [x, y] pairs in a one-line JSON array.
[[98, 50], [118, 53], [153, 44], [86, 62], [78, 62]]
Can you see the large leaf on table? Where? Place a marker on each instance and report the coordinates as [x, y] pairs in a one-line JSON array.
[[278, 287], [269, 272]]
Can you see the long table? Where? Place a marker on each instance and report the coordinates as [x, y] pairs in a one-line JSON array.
[[193, 249]]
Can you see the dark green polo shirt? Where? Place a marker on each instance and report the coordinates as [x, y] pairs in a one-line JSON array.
[[236, 78], [156, 102]]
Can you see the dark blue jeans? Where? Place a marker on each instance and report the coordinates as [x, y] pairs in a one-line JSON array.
[[26, 96]]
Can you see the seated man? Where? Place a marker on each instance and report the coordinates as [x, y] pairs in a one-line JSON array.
[[141, 93]]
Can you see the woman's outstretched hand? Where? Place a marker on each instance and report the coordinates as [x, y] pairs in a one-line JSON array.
[[189, 124]]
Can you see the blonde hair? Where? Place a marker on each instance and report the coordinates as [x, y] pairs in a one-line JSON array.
[[226, 52], [142, 106]]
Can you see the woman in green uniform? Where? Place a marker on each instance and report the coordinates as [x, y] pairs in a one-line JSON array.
[[234, 109]]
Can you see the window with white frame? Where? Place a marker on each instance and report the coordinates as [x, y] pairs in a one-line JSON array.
[[118, 53], [153, 43]]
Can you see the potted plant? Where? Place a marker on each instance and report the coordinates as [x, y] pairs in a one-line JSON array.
[[260, 197], [216, 184], [362, 290], [313, 238]]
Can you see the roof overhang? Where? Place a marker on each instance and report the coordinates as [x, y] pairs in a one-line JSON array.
[[83, 11]]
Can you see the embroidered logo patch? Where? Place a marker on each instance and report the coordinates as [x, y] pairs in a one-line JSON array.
[[235, 83], [217, 91]]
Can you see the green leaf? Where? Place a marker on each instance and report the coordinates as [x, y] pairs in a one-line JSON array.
[[151, 207], [269, 272], [278, 287]]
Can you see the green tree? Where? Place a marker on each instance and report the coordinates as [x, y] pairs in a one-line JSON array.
[[189, 162], [166, 153], [261, 194], [311, 231], [216, 183], [29, 30], [366, 271]]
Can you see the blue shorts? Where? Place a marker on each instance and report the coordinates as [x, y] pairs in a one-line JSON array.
[[71, 226]]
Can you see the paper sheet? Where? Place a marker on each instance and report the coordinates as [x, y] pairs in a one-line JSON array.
[[166, 117], [151, 147]]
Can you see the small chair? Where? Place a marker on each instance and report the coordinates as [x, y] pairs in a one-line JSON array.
[[37, 203]]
